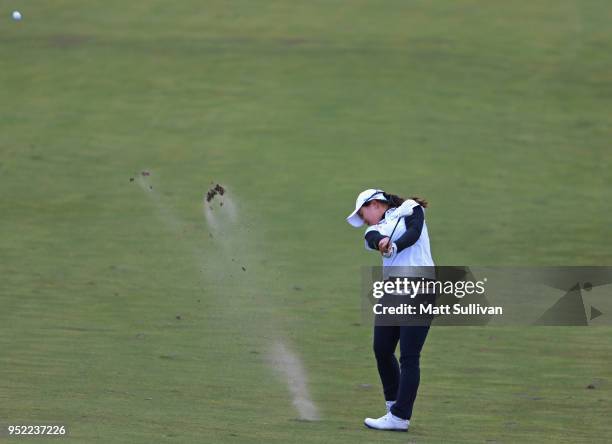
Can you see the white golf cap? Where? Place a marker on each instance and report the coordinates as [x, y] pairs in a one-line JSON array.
[[364, 196]]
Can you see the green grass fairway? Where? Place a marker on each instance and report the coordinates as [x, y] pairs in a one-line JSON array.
[[123, 318]]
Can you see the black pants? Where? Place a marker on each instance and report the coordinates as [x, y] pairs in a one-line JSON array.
[[400, 381]]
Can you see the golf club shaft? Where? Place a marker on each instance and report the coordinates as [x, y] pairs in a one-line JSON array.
[[392, 232]]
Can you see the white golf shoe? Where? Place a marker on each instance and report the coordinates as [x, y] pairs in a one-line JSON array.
[[388, 422]]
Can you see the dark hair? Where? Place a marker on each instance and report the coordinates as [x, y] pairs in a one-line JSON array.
[[395, 201]]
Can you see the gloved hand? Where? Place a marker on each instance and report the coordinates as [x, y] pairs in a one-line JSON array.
[[390, 252]]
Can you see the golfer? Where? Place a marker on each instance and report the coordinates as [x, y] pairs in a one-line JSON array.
[[396, 229]]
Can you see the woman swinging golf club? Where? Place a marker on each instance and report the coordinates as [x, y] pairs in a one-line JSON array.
[[397, 229]]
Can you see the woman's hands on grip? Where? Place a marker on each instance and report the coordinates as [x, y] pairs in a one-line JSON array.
[[386, 247]]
